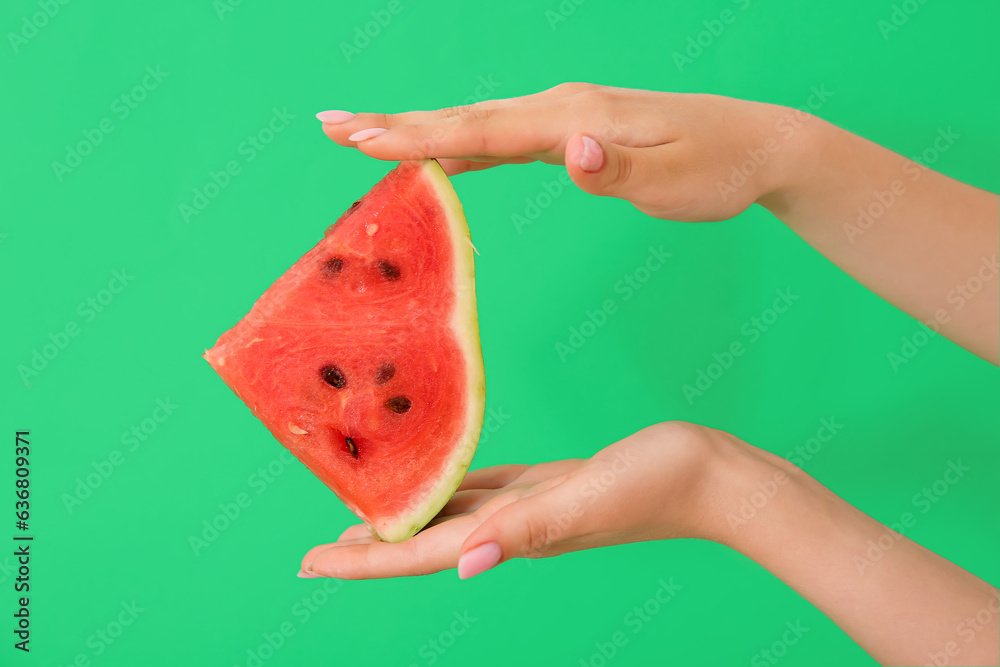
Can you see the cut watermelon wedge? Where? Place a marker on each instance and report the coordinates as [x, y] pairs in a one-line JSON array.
[[364, 360]]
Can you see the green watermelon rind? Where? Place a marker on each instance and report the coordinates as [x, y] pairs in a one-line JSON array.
[[465, 324]]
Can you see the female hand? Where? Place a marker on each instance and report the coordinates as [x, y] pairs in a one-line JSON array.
[[659, 483], [921, 240], [665, 153], [677, 480]]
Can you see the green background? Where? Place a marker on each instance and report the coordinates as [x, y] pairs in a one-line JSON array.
[[65, 233]]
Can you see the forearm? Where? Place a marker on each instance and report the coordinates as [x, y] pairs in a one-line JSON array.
[[921, 240], [899, 601]]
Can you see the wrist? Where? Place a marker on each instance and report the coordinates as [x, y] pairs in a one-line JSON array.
[[751, 492], [798, 141]]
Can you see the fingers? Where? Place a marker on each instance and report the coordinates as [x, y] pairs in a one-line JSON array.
[[464, 502], [341, 124], [532, 527], [359, 555], [493, 477], [522, 130], [363, 120], [430, 551], [610, 170], [355, 532], [440, 518], [312, 553], [454, 166], [496, 477]]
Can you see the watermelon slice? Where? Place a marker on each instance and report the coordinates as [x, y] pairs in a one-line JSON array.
[[363, 359]]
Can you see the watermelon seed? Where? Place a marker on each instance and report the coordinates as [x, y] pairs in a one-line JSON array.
[[333, 266], [333, 376], [354, 206], [384, 373], [389, 271], [351, 447], [398, 404]]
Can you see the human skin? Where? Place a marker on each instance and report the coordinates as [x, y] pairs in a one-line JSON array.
[[930, 251]]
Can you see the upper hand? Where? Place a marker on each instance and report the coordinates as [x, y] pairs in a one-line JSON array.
[[671, 155]]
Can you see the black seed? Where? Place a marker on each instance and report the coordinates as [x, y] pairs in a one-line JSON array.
[[384, 373], [351, 447], [398, 404], [333, 266], [388, 271], [353, 206], [333, 376]]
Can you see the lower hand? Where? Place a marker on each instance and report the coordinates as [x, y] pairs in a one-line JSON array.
[[659, 483]]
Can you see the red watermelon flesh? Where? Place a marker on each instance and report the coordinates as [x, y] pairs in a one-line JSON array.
[[363, 359]]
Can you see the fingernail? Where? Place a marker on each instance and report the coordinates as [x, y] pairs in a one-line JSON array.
[[478, 560], [593, 157], [334, 117], [367, 134], [306, 573]]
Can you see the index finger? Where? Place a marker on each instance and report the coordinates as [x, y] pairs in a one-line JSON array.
[[427, 552], [340, 130], [533, 130]]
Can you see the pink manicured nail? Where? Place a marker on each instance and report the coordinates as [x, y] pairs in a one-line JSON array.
[[334, 117], [593, 157], [367, 134], [478, 560]]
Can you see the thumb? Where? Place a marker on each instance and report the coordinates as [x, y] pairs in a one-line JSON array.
[[607, 169], [526, 528]]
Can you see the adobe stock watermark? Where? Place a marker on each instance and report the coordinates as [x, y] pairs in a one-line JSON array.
[[590, 493], [625, 288], [33, 23], [779, 648], [223, 7], [923, 502], [541, 200], [550, 190], [802, 454], [561, 12], [121, 108], [751, 331], [901, 14], [87, 310], [434, 648], [913, 169], [966, 631], [231, 510], [8, 568], [784, 129], [246, 152], [365, 34], [634, 621], [104, 637], [957, 298], [493, 421], [750, 506], [713, 28], [131, 440], [301, 612]]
